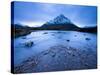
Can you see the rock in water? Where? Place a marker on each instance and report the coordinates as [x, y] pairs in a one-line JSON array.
[[75, 35], [45, 32], [24, 37], [67, 40], [29, 44], [87, 38]]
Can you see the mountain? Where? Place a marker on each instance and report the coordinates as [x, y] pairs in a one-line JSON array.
[[60, 23], [61, 19]]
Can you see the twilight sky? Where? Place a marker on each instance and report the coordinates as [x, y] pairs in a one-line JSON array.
[[35, 14]]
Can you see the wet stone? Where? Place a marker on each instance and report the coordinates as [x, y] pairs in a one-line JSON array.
[[29, 44], [54, 55], [45, 53], [45, 32], [52, 34], [75, 35], [84, 34], [86, 64], [73, 54], [67, 40], [24, 37], [59, 32], [87, 38]]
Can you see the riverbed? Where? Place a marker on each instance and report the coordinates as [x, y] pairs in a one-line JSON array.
[[55, 51]]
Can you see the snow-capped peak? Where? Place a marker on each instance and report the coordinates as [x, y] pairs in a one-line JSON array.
[[61, 19]]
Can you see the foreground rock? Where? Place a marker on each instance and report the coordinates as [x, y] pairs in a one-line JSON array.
[[29, 44], [58, 58]]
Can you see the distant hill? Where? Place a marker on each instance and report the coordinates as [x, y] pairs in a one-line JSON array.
[[19, 30], [89, 29]]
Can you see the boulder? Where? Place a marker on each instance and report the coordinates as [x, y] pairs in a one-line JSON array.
[[88, 39], [45, 32], [67, 40], [29, 44], [24, 37]]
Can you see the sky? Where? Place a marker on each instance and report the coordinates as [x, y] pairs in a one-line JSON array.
[[36, 14]]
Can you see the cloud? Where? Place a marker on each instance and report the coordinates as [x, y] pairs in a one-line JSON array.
[[29, 12], [32, 24]]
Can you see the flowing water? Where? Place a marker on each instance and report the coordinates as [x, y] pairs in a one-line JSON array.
[[45, 39]]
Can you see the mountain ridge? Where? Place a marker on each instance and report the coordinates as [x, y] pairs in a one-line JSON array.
[[60, 19], [60, 22]]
